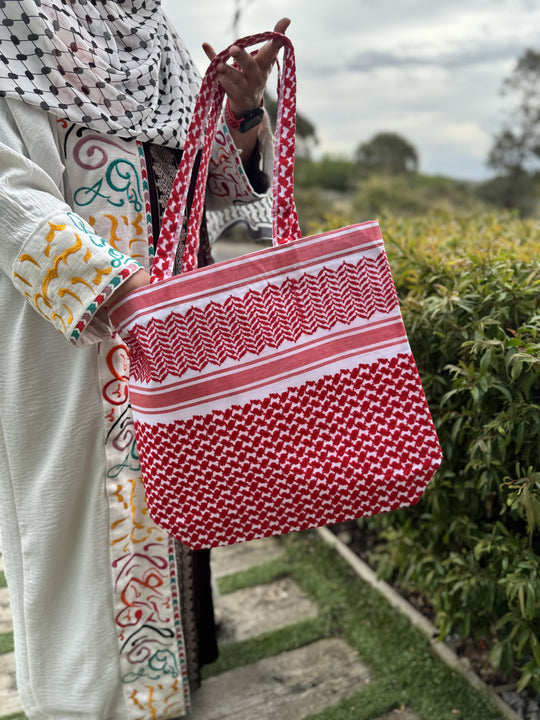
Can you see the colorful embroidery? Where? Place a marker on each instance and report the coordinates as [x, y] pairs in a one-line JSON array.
[[146, 605], [152, 658], [147, 207], [122, 179], [227, 180], [100, 299], [68, 272], [61, 275]]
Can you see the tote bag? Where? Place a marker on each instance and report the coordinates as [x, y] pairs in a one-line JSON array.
[[277, 391]]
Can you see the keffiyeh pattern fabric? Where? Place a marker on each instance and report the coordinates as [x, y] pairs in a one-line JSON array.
[[116, 67]]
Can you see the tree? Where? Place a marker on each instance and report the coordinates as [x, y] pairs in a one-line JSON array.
[[387, 153], [516, 148]]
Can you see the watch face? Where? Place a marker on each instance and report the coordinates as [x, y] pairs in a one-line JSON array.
[[251, 120]]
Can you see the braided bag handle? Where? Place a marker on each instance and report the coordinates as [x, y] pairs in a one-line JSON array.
[[201, 135]]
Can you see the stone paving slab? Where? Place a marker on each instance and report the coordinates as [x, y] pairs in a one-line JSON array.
[[401, 714], [289, 686], [231, 559], [6, 623], [253, 611], [9, 699]]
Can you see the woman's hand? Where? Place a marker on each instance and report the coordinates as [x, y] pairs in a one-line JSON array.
[[245, 82], [136, 280]]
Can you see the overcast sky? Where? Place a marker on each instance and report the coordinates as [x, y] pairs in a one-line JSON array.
[[430, 71]]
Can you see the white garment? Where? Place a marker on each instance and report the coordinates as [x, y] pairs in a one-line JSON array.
[[51, 425], [80, 552]]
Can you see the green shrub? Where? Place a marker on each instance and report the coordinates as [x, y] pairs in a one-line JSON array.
[[331, 173], [470, 296], [412, 194]]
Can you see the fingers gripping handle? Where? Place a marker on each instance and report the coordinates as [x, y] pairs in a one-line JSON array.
[[201, 135]]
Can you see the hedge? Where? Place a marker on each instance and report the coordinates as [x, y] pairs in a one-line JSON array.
[[470, 294]]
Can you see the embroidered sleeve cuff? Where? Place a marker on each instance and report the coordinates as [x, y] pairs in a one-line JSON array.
[[67, 272]]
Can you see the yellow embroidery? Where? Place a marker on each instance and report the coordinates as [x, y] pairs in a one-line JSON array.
[[151, 705], [54, 229], [119, 540], [25, 258], [41, 299], [174, 691], [137, 225], [20, 277], [100, 273], [113, 228], [54, 317], [118, 495], [70, 314], [47, 286], [133, 697], [113, 237], [137, 494], [76, 280], [65, 291]]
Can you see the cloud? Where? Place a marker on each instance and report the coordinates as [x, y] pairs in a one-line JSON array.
[[370, 60], [431, 71]]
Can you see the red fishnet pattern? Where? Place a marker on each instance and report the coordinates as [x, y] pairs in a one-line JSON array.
[[355, 443], [259, 320]]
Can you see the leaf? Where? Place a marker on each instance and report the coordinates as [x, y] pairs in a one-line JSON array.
[[523, 682], [536, 649], [495, 655], [507, 657], [516, 369], [520, 436]]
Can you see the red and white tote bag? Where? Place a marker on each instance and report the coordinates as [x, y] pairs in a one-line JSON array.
[[277, 391]]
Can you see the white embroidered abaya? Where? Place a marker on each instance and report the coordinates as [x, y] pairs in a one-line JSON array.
[[99, 617]]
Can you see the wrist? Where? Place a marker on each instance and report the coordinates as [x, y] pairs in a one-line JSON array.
[[136, 280], [246, 121]]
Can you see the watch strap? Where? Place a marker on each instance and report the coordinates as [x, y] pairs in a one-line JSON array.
[[248, 121]]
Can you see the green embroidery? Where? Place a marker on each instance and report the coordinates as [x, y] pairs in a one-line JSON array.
[[160, 664], [122, 179]]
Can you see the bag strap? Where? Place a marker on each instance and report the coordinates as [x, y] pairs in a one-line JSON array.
[[200, 137]]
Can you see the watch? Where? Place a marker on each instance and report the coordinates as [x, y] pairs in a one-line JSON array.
[[247, 122]]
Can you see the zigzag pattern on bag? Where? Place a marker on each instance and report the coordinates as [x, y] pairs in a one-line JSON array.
[[259, 320], [194, 493]]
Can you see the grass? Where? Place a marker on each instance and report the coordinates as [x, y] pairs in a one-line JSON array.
[[6, 639], [267, 645], [404, 672], [258, 575], [6, 643]]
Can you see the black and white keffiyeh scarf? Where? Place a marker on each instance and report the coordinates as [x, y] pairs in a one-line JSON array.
[[115, 66]]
